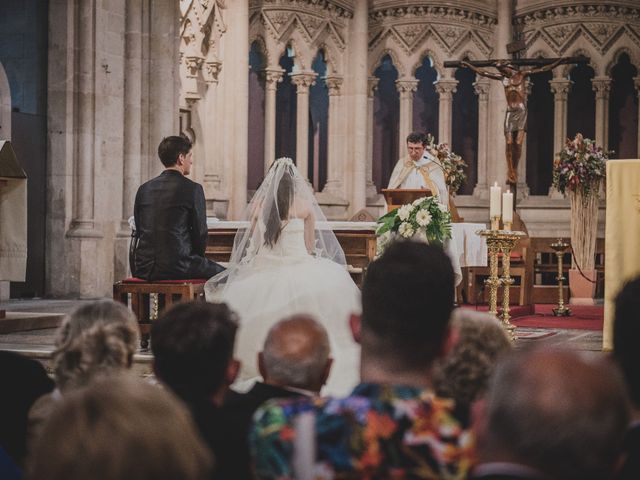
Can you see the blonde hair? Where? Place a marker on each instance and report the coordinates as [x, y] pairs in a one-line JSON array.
[[99, 337], [120, 427]]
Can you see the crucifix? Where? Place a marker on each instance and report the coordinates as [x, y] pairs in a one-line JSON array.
[[513, 74]]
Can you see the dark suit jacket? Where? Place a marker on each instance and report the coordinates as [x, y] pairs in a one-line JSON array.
[[171, 230], [631, 450]]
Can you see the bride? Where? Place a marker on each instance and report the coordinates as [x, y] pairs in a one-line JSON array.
[[286, 261]]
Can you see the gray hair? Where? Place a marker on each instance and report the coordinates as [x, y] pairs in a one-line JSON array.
[[297, 370], [463, 373], [97, 338], [564, 413]]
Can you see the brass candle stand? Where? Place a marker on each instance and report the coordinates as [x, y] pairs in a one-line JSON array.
[[500, 241], [560, 247]]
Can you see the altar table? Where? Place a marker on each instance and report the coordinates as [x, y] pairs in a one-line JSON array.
[[358, 240]]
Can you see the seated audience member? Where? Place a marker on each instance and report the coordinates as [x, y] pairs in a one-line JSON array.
[[120, 427], [392, 425], [192, 345], [294, 362], [171, 221], [551, 414], [462, 374], [98, 338], [24, 380], [626, 332]]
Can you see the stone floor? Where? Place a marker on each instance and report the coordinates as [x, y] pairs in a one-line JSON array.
[[39, 343]]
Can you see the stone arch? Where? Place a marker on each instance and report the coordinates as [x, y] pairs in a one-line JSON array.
[[614, 58], [395, 58], [438, 65], [5, 105], [264, 51], [580, 47], [331, 56]]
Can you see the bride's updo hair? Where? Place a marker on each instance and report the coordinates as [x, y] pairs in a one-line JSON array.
[[280, 213]]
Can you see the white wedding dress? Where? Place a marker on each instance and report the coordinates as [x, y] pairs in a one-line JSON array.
[[283, 280]]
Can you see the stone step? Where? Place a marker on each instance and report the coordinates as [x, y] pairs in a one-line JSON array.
[[24, 321]]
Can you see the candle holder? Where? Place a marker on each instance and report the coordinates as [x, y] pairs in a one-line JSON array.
[[500, 241], [495, 223], [560, 247], [507, 226]]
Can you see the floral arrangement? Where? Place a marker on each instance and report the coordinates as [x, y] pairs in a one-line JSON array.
[[579, 166], [451, 163], [425, 219]]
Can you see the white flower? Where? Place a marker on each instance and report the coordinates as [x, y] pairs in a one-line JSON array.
[[443, 208], [406, 230], [417, 201], [423, 218], [404, 212]]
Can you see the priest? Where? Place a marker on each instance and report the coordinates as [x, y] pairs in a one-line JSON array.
[[420, 169]]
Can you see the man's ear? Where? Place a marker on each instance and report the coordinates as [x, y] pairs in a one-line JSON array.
[[233, 368], [261, 369], [355, 322], [452, 337], [479, 420]]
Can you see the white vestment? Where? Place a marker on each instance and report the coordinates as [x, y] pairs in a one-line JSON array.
[[411, 175]]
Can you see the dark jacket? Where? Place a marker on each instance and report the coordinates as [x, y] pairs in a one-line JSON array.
[[171, 230]]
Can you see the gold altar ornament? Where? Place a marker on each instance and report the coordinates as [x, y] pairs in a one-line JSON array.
[[500, 241], [560, 247]]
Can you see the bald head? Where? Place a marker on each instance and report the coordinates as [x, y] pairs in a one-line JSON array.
[[296, 354], [560, 412]]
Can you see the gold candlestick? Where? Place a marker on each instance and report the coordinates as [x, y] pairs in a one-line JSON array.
[[500, 241], [560, 247], [495, 222]]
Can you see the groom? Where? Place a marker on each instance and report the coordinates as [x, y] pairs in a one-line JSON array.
[[170, 234]]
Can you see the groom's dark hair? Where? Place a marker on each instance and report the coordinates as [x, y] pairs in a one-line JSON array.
[[192, 345], [407, 299]]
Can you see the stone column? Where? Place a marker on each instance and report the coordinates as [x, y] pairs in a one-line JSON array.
[[334, 178], [303, 81], [211, 72], [445, 88], [373, 86], [164, 77], [481, 87], [497, 163], [602, 87], [636, 82], [406, 87], [82, 224], [272, 76], [560, 88], [132, 113]]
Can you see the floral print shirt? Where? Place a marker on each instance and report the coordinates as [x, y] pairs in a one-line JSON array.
[[378, 432]]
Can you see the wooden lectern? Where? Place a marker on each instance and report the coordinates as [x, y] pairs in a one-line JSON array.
[[396, 197]]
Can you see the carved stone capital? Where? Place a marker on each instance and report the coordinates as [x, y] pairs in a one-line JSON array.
[[446, 88], [273, 76], [407, 85], [372, 86], [560, 88], [193, 65], [211, 71], [334, 84], [303, 81], [481, 87], [602, 87]]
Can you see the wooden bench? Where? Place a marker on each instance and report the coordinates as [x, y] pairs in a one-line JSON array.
[[137, 294]]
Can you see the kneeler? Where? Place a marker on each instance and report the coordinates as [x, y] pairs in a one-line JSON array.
[[149, 299]]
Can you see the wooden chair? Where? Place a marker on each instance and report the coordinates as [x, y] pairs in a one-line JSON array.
[[521, 267], [136, 294]]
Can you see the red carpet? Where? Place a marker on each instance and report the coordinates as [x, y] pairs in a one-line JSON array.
[[582, 317]]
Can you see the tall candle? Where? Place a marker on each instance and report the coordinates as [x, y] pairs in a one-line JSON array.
[[494, 203], [507, 206]]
